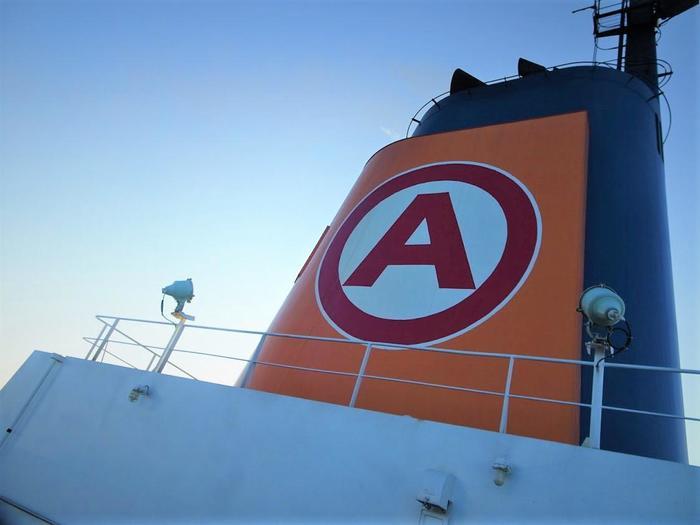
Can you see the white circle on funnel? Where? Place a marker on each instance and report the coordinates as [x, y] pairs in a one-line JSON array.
[[412, 291]]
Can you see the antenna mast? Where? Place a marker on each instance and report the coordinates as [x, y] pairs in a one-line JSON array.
[[634, 22]]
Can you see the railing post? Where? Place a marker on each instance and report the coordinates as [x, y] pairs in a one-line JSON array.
[[103, 345], [506, 397], [165, 356], [597, 398], [150, 363], [97, 340], [247, 373], [360, 375]]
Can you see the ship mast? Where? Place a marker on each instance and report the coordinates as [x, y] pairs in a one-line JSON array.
[[634, 23]]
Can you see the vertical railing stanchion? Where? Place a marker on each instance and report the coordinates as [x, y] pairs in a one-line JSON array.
[[150, 363], [245, 376], [165, 356], [506, 397], [103, 345], [360, 375], [96, 341], [597, 398]]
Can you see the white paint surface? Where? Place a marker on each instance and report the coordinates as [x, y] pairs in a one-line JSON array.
[[196, 452]]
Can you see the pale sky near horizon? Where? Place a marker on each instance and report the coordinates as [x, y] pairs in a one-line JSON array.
[[142, 142]]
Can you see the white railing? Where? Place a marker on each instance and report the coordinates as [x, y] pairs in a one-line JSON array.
[[102, 346]]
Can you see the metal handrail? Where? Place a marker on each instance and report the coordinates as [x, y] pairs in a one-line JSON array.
[[506, 394], [596, 405], [605, 64], [375, 344]]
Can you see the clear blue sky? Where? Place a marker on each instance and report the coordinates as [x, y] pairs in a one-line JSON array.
[[146, 141]]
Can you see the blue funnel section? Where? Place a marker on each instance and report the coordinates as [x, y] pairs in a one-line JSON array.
[[627, 239]]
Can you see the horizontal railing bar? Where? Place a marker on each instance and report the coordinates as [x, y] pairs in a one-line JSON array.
[[409, 381], [651, 368], [352, 374], [209, 354], [89, 339], [432, 385], [380, 346], [647, 413], [119, 358], [181, 370], [295, 367], [375, 344], [146, 321], [145, 347], [435, 385], [546, 400], [217, 355], [152, 347], [128, 337], [385, 378], [250, 361], [424, 383]]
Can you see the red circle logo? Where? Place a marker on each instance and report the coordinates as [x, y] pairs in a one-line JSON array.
[[429, 254]]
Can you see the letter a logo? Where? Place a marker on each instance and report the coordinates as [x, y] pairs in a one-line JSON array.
[[429, 254], [445, 251]]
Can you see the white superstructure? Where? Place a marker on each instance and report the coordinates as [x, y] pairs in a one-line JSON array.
[[94, 443]]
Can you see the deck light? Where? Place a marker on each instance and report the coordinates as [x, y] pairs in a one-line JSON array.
[[182, 292]]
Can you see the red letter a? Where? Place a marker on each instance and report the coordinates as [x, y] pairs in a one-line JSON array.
[[445, 252]]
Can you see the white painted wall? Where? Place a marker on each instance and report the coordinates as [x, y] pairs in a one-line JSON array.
[[196, 452]]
